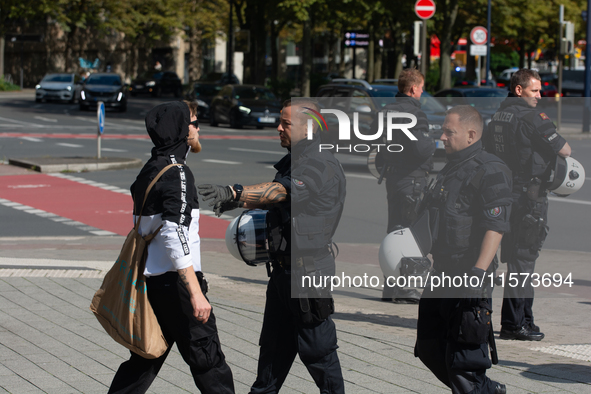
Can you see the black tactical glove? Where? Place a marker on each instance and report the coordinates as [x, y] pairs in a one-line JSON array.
[[472, 293], [221, 207], [216, 193]]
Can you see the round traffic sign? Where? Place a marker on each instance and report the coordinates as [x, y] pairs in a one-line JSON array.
[[425, 9], [479, 35]]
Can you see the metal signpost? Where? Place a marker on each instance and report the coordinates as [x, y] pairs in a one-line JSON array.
[[354, 40], [587, 93], [487, 43], [100, 115], [425, 9], [566, 46]]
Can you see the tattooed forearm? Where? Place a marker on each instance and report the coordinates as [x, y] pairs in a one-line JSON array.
[[183, 276], [264, 193]]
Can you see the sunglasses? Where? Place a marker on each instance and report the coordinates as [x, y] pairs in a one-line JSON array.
[[195, 123]]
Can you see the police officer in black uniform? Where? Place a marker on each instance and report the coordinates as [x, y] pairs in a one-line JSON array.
[[407, 171], [469, 210], [526, 139], [309, 190]]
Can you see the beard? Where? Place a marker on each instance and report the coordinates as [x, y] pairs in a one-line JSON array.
[[195, 145]]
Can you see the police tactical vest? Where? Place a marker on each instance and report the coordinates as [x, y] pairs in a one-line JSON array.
[[508, 141], [314, 220], [406, 161], [456, 204], [455, 208]]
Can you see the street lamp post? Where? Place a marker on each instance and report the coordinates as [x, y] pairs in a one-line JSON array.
[[229, 65], [587, 110], [488, 44]]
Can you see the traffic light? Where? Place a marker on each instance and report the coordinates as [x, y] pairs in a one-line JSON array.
[[567, 43]]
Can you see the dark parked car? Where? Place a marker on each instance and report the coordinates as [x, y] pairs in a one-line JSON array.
[[485, 100], [573, 83], [221, 78], [157, 84], [105, 87], [202, 93], [354, 95], [63, 87], [245, 105]]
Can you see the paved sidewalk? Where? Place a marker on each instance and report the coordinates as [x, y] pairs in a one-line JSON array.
[[50, 342]]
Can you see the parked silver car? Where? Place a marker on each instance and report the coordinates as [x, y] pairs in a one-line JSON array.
[[63, 87]]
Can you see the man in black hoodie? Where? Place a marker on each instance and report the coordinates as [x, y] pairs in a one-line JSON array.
[[406, 172], [175, 283]]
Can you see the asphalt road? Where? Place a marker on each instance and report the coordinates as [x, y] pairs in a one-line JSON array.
[[229, 156]]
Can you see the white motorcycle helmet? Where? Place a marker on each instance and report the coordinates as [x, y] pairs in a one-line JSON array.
[[403, 252], [568, 177], [252, 237]]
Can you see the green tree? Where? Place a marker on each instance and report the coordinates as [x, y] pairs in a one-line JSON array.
[[203, 20]]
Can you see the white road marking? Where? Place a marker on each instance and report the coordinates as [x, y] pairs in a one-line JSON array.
[[562, 199], [350, 175], [85, 119], [27, 186], [92, 183], [213, 215], [21, 123], [221, 161], [45, 119], [113, 150], [70, 145], [257, 151], [55, 218], [32, 139]]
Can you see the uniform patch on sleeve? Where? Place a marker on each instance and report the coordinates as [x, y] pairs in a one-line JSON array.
[[494, 212], [544, 116], [297, 182]]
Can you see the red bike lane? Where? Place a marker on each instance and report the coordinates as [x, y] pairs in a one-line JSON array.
[[91, 205]]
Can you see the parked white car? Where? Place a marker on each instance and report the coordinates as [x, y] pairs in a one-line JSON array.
[[63, 87]]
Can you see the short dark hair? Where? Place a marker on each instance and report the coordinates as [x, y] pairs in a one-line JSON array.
[[301, 101], [523, 78], [408, 78], [468, 115], [193, 107]]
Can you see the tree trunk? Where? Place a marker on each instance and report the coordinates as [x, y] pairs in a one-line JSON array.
[[398, 51], [370, 54], [522, 49], [255, 67], [470, 66], [195, 41], [529, 59], [449, 19], [69, 52], [378, 63], [332, 53], [307, 58], [274, 52]]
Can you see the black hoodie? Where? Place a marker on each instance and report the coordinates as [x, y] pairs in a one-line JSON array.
[[173, 200]]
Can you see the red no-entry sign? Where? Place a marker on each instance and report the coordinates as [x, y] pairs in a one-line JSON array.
[[425, 9]]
